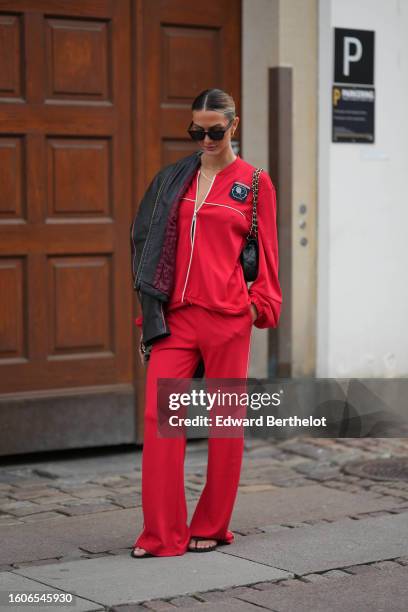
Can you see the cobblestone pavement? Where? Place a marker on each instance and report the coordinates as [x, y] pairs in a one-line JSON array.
[[49, 491], [246, 594]]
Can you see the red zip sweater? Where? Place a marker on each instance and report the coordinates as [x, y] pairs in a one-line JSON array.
[[208, 270]]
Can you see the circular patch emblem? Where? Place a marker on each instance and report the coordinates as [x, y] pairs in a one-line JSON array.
[[239, 192]]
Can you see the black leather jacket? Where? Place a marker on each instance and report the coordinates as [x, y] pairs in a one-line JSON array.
[[153, 237]]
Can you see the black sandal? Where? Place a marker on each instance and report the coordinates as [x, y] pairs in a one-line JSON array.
[[146, 554], [202, 548]]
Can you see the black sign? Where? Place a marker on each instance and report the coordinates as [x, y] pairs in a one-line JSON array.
[[354, 56], [353, 114]]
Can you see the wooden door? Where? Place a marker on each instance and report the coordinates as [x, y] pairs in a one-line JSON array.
[[65, 206], [95, 97]]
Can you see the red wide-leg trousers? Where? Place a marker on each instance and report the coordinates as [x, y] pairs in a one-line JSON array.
[[223, 341]]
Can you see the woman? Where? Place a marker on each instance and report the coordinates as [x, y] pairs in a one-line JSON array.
[[209, 316]]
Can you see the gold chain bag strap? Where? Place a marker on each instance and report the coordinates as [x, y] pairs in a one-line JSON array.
[[250, 253]]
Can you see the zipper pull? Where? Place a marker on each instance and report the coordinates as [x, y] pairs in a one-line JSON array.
[[193, 221]]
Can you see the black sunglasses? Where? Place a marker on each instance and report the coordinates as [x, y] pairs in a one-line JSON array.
[[214, 133]]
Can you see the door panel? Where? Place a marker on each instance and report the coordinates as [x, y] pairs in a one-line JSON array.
[[191, 46], [65, 204]]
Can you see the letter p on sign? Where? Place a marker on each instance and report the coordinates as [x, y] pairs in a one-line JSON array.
[[352, 52], [353, 56]]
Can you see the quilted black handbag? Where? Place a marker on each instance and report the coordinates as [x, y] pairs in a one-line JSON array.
[[250, 253]]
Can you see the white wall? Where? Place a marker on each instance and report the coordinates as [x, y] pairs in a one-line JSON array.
[[363, 207]]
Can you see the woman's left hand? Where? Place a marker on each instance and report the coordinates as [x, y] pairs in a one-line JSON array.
[[254, 312]]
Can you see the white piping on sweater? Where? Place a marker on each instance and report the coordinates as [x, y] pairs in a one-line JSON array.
[[194, 223], [226, 206]]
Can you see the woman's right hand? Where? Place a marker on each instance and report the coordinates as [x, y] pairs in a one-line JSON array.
[[141, 354]]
